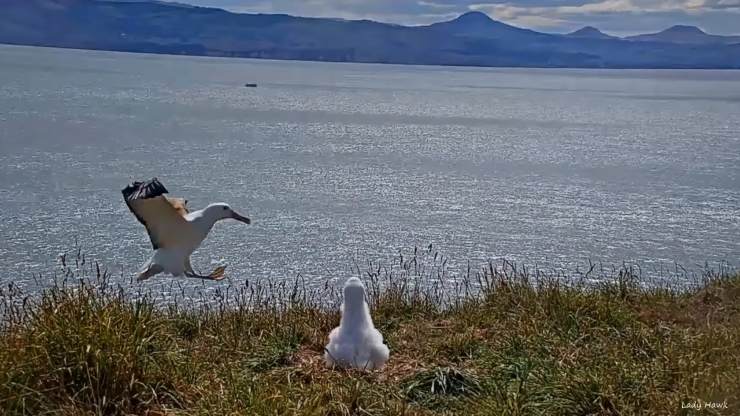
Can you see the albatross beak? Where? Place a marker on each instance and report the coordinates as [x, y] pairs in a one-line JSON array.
[[238, 217]]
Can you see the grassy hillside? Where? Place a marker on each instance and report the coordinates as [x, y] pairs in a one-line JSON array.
[[526, 344]]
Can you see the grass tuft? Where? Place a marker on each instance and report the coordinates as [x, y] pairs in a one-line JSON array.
[[505, 340], [441, 381]]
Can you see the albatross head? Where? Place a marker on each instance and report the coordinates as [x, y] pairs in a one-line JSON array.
[[354, 296], [221, 211]]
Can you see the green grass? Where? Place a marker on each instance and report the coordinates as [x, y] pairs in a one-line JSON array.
[[502, 341]]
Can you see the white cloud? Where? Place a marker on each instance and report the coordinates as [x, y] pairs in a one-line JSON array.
[[613, 11], [619, 16], [606, 6]]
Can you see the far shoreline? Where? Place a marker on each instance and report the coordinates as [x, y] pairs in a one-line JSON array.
[[389, 64]]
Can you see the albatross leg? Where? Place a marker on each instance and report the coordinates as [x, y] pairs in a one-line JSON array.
[[150, 271], [216, 274], [188, 267]]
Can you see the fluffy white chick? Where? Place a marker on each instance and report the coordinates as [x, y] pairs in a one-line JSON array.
[[355, 342]]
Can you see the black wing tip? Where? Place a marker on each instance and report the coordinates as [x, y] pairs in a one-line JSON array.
[[143, 190]]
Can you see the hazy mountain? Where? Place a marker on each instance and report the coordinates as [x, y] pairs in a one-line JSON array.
[[471, 39], [589, 32], [480, 25], [685, 34]]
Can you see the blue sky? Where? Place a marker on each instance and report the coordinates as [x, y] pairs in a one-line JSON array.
[[619, 17]]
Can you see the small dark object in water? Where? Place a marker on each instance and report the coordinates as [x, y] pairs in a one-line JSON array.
[[251, 85]]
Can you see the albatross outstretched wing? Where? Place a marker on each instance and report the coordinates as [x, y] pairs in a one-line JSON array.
[[180, 205], [162, 218]]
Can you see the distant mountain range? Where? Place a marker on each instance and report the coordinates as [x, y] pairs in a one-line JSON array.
[[686, 34], [472, 39]]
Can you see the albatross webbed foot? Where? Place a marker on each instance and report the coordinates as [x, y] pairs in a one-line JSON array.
[[216, 274]]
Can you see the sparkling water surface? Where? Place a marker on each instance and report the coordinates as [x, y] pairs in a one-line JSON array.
[[335, 162]]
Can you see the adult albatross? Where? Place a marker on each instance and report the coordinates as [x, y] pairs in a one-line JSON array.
[[174, 231]]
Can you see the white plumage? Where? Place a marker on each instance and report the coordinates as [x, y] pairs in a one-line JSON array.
[[355, 342], [174, 231]]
